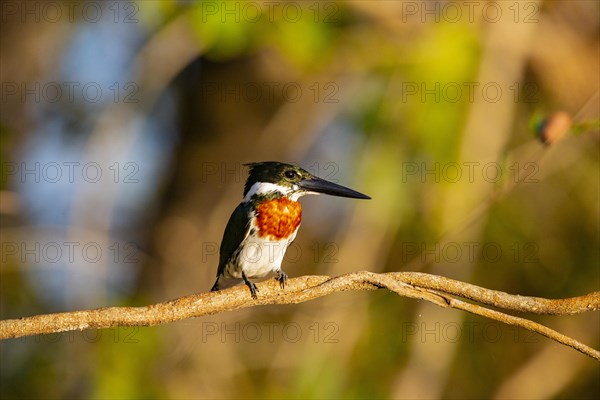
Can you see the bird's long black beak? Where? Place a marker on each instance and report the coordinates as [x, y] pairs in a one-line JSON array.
[[319, 185]]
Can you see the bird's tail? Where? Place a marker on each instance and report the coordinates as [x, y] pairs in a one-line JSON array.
[[225, 283]]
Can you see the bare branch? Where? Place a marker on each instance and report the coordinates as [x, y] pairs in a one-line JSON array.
[[535, 305], [435, 289]]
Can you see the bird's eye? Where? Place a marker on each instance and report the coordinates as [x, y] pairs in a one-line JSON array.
[[290, 174]]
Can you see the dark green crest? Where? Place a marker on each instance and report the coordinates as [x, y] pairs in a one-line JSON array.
[[292, 176], [274, 172]]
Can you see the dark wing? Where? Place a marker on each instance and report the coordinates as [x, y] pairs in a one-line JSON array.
[[236, 231]]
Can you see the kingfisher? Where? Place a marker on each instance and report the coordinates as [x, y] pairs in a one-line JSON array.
[[266, 221]]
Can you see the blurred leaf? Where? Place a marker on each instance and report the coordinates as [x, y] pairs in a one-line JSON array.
[[125, 363]]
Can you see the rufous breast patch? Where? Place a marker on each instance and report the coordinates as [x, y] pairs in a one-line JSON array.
[[278, 218]]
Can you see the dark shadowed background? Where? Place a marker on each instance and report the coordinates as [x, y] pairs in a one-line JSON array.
[[124, 129]]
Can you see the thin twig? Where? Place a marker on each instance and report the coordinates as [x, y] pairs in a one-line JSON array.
[[432, 288], [535, 305]]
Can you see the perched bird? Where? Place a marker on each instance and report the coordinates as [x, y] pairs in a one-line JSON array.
[[266, 222]]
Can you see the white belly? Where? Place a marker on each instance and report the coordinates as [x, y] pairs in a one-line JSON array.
[[259, 257]]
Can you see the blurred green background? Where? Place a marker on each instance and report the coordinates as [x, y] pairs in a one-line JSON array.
[[124, 127]]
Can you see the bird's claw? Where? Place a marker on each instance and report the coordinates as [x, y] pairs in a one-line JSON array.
[[251, 285], [281, 278]]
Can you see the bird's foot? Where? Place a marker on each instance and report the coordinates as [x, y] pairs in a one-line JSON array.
[[251, 285], [281, 278]]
